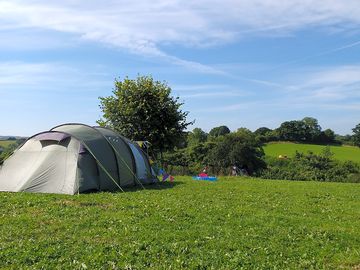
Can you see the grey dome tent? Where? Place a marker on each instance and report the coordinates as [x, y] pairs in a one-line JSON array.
[[75, 158]]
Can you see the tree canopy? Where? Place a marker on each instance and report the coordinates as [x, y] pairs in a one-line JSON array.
[[143, 109], [356, 136], [238, 148], [197, 136], [219, 131]]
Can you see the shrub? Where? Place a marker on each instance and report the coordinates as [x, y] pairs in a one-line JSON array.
[[307, 167]]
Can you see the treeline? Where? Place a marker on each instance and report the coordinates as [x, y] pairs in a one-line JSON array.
[[221, 150], [306, 130], [311, 167]]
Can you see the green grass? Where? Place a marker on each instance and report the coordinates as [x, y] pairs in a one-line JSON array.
[[6, 143], [342, 153], [235, 223]]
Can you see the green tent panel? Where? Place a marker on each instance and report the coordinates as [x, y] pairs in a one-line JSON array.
[[75, 158], [125, 159]]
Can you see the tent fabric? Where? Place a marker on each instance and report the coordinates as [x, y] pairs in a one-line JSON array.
[[96, 144], [51, 136], [140, 164], [75, 158], [125, 159], [34, 168]]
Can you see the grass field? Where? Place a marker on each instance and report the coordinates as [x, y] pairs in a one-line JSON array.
[[234, 223], [6, 143], [340, 152]]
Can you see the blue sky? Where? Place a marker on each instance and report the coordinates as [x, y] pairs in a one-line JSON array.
[[246, 63]]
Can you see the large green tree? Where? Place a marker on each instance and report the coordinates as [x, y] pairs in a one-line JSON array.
[[238, 148], [292, 131], [306, 129], [143, 109], [196, 136], [312, 129], [219, 131], [356, 136]]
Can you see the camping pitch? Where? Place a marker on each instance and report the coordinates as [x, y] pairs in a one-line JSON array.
[[75, 158]]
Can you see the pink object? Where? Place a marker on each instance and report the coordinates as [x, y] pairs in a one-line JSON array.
[[203, 175]]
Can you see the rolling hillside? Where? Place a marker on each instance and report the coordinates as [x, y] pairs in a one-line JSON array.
[[6, 143], [286, 148]]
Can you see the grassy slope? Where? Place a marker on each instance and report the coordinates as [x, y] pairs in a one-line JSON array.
[[229, 224], [6, 143], [340, 152]]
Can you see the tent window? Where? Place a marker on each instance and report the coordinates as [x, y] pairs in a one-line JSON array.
[[52, 136], [64, 143]]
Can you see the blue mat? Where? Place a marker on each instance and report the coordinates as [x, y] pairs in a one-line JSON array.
[[207, 178]]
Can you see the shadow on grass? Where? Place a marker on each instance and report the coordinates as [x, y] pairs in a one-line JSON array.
[[154, 186]]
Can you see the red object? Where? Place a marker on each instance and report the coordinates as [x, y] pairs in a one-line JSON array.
[[203, 175]]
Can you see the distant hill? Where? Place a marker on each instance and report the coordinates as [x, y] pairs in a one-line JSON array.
[[10, 138], [6, 143], [343, 153]]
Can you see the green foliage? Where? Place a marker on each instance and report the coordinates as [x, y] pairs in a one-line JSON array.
[[292, 131], [310, 166], [234, 223], [6, 143], [312, 129], [189, 160], [262, 131], [219, 131], [344, 139], [326, 136], [264, 134], [305, 130], [142, 109], [239, 149], [356, 136], [197, 136]]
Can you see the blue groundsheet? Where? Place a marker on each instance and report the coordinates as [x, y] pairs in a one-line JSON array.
[[207, 178]]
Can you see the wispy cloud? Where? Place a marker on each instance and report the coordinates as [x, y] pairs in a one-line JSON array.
[[329, 84], [146, 28], [24, 76], [342, 75], [323, 53], [330, 88], [214, 95], [209, 91], [200, 87]]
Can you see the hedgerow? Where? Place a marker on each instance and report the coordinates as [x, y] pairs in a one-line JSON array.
[[311, 167]]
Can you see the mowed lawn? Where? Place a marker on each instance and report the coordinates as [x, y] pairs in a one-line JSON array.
[[340, 152], [234, 223]]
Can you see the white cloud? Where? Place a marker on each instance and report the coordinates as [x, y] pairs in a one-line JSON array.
[[23, 77], [146, 27], [326, 89], [216, 95], [340, 83], [200, 87], [340, 76]]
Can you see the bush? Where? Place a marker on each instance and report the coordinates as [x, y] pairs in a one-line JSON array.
[[311, 167]]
